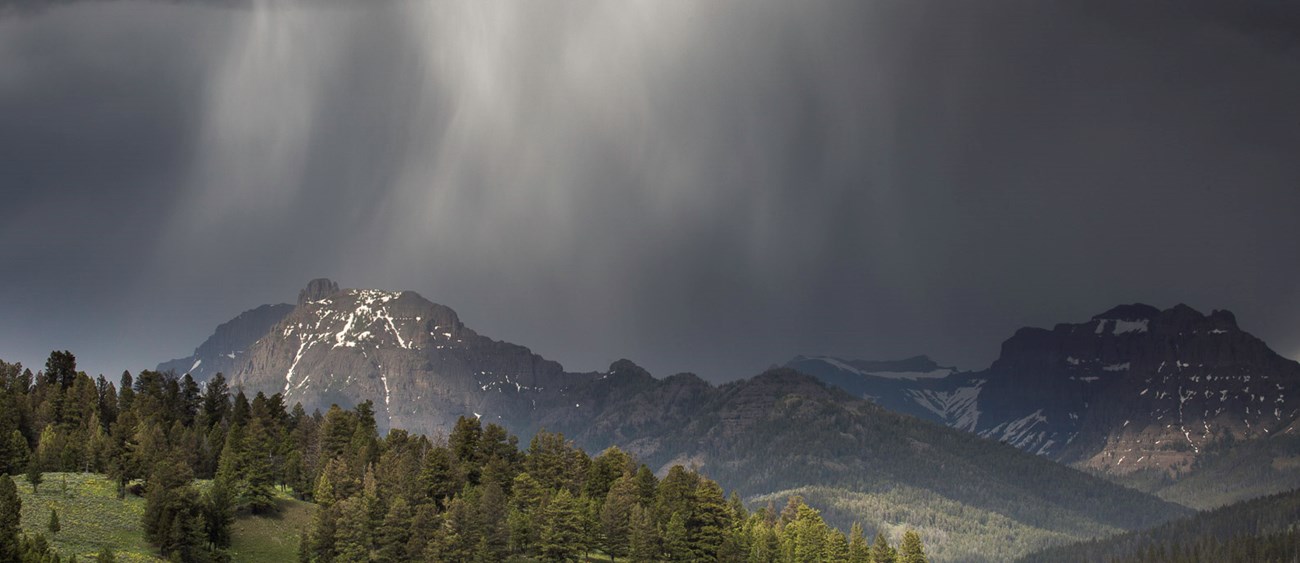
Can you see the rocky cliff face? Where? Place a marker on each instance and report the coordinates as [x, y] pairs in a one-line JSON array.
[[1132, 388], [228, 347], [414, 359]]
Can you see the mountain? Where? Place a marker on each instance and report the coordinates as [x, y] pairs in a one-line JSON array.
[[413, 358], [1148, 396], [776, 434], [916, 386], [227, 348]]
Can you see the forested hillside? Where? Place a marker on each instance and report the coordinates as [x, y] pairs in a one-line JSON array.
[[199, 456], [1262, 529], [783, 432]]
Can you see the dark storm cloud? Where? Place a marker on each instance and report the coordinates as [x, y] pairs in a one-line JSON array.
[[709, 187]]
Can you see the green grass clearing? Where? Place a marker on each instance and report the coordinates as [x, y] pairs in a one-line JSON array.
[[92, 517]]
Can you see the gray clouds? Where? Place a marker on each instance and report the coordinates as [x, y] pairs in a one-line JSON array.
[[707, 187]]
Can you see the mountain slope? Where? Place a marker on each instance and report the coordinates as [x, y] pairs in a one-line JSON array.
[[783, 432], [1135, 393], [227, 348], [1273, 514]]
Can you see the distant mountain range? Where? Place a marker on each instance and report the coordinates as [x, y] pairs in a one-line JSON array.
[[1158, 399], [778, 433]]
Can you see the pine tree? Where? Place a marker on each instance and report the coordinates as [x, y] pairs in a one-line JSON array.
[[616, 514], [352, 536], [837, 546], [216, 400], [709, 520], [881, 552], [911, 550], [523, 518], [646, 484], [10, 507], [323, 494], [859, 551], [676, 493], [53, 525], [805, 536], [561, 537], [492, 508], [462, 528], [218, 514], [19, 456], [34, 476], [395, 532], [438, 476], [643, 537], [323, 530], [764, 546], [676, 547]]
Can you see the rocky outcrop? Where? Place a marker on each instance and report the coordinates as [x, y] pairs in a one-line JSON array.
[[316, 290]]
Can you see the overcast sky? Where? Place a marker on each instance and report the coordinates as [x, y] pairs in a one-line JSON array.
[[697, 186]]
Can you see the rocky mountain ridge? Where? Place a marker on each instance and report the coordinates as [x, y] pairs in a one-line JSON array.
[[413, 358], [1134, 388]]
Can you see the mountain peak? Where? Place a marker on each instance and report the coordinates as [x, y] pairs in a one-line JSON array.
[[317, 289], [628, 368], [1136, 311]]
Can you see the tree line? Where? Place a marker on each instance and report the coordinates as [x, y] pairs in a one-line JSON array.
[[202, 454]]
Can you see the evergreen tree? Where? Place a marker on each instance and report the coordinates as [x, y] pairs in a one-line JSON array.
[[394, 533], [10, 507], [764, 546], [616, 515], [438, 475], [859, 551], [492, 508], [323, 529], [352, 535], [911, 550], [125, 392], [547, 459], [257, 474], [17, 455], [218, 513], [562, 534], [53, 525], [837, 546], [173, 515], [34, 476], [646, 485], [61, 369], [676, 546], [805, 537], [881, 552], [709, 521], [675, 494], [462, 530], [643, 537]]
